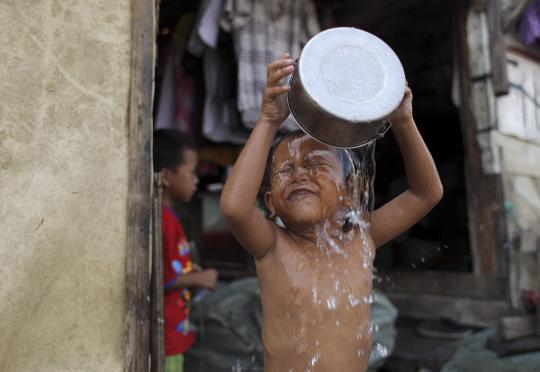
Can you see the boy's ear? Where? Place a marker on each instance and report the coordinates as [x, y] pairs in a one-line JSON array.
[[165, 173], [268, 202]]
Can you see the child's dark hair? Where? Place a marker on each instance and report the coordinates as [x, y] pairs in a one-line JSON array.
[[169, 147]]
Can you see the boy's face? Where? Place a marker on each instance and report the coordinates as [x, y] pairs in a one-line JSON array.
[[307, 182], [181, 183]]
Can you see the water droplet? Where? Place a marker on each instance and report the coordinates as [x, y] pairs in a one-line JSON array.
[[380, 351], [314, 359], [331, 303], [314, 295], [352, 300], [237, 367], [358, 333]]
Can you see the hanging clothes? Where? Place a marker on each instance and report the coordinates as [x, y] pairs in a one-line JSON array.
[[221, 122], [263, 31], [529, 28], [176, 104]]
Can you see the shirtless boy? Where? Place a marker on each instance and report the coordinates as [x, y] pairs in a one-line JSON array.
[[316, 307]]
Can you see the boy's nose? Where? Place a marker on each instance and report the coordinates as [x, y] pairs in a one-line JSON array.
[[300, 173]]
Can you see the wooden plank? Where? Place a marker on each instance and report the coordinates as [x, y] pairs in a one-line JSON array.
[[519, 158], [485, 199], [518, 113], [442, 283], [478, 43], [497, 48], [464, 310], [157, 353], [512, 327], [137, 322]]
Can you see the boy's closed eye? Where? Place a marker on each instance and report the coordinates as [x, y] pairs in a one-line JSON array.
[[284, 169]]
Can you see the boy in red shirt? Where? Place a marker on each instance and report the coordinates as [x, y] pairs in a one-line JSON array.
[[176, 159]]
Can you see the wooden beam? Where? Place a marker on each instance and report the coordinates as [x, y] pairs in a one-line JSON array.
[[137, 322], [464, 310], [157, 354], [516, 326], [497, 48], [485, 198], [443, 283]]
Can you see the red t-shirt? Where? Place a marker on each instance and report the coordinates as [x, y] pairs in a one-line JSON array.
[[178, 332]]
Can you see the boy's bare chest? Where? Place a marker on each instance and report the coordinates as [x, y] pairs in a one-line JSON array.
[[322, 286], [316, 301]]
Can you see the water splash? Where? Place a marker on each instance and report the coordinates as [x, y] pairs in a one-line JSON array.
[[237, 367], [379, 351]]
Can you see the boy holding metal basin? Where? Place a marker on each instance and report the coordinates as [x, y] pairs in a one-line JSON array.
[[315, 266]]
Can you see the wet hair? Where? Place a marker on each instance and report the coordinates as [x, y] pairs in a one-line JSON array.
[[169, 148], [341, 154]]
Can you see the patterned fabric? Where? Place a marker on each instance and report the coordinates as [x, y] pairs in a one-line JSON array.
[[185, 101], [262, 31], [174, 363], [176, 100], [529, 29], [178, 333]]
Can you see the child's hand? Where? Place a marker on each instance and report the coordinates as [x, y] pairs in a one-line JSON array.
[[274, 109], [208, 278], [404, 112]]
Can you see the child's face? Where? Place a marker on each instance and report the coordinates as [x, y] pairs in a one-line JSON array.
[[181, 183], [307, 182]]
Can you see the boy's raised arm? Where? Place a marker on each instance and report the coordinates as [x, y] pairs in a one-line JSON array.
[[425, 188], [238, 200]]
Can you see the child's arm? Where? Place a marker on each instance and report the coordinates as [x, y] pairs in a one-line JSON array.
[[425, 188], [238, 200], [204, 279]]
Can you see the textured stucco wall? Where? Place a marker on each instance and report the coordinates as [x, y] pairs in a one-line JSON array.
[[64, 84]]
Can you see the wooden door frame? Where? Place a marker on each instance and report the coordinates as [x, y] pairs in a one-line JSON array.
[[484, 191], [139, 203]]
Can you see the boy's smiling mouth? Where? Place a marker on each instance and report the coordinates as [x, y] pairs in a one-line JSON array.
[[301, 193]]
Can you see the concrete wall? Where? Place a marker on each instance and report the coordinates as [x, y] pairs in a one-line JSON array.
[[64, 84]]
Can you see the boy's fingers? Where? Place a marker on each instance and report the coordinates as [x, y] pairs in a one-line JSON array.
[[280, 63], [277, 75], [273, 92]]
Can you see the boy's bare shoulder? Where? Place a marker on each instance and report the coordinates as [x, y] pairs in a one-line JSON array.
[[285, 245]]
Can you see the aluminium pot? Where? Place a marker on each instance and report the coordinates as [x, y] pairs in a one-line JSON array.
[[345, 85]]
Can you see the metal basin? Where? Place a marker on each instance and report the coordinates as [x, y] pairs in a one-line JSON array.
[[332, 128]]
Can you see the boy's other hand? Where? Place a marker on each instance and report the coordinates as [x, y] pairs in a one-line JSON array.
[[208, 278], [274, 109], [404, 112]]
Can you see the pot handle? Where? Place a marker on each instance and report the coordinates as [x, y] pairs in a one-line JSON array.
[[380, 134]]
